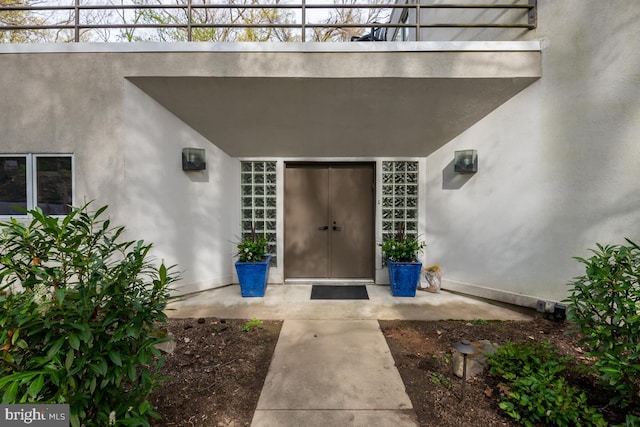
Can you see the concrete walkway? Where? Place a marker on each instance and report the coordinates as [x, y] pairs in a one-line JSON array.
[[333, 373], [332, 365]]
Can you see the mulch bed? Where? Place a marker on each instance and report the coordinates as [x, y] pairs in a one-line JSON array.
[[217, 371]]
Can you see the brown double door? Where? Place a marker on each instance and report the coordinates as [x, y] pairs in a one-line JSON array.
[[329, 216]]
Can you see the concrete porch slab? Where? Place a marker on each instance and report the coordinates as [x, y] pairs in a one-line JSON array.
[[292, 301]]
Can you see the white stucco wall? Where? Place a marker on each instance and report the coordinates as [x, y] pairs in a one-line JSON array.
[[44, 108], [190, 216], [127, 152], [559, 164], [511, 16], [81, 99]]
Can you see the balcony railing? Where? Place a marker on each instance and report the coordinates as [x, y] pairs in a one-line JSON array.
[[248, 20]]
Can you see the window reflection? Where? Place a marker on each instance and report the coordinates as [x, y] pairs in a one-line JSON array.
[[13, 185], [54, 184]]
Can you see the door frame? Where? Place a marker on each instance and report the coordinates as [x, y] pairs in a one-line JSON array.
[[373, 212]]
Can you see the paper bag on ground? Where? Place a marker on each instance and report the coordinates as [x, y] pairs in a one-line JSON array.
[[430, 279]]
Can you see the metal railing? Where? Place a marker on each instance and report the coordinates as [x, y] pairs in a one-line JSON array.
[[190, 21]]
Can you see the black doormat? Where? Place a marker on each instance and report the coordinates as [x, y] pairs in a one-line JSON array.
[[339, 292]]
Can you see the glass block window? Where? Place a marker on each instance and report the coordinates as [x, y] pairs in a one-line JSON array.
[[399, 198], [258, 199]]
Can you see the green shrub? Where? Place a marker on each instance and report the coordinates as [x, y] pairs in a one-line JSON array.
[[535, 392], [605, 308], [402, 247], [630, 421], [79, 318], [513, 360], [549, 400], [252, 248], [251, 324]]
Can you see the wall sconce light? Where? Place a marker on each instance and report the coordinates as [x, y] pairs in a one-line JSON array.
[[466, 161], [193, 159]]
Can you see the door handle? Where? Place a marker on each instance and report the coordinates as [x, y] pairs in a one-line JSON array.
[[325, 228], [336, 228]]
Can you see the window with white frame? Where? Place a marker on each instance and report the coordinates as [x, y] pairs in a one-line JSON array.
[[30, 180]]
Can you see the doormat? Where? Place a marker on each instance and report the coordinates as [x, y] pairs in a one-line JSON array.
[[339, 292]]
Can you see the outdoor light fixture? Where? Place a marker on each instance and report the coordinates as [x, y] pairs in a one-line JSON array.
[[193, 159], [559, 312], [466, 161], [466, 348]]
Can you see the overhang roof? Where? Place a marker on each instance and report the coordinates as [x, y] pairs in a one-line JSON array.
[[378, 100]]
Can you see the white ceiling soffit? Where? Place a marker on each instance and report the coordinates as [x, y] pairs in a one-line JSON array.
[[334, 116]]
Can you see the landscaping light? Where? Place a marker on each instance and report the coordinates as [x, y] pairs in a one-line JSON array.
[[466, 348]]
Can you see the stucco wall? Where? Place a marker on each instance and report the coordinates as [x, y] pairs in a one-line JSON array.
[[500, 16], [559, 163], [46, 107], [127, 152], [190, 216]]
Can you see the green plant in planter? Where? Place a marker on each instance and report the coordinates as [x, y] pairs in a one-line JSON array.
[[252, 248], [253, 265], [402, 248], [401, 254]]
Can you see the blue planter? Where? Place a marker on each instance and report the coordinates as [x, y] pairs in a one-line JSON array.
[[404, 277], [253, 277]]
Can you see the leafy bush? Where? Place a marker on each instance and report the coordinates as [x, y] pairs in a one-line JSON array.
[[513, 360], [252, 248], [604, 307], [534, 390], [79, 315], [535, 398], [402, 248]]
